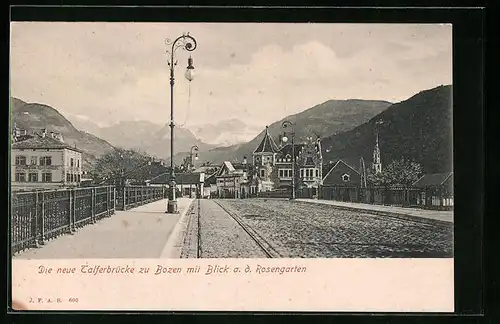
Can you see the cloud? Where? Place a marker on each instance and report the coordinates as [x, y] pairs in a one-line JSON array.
[[257, 73]]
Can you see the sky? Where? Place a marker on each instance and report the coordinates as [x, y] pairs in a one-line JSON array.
[[255, 72]]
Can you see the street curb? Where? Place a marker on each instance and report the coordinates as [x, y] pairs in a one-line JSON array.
[[173, 247], [386, 213]]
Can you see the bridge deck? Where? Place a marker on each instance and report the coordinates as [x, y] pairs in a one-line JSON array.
[[140, 232]]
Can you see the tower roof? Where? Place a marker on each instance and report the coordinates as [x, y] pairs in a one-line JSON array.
[[267, 145]]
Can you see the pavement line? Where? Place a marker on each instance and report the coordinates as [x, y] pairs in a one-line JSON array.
[[407, 216], [173, 247]]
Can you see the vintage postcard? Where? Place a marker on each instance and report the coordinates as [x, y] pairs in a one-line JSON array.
[[231, 167]]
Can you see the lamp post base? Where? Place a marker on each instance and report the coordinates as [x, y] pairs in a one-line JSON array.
[[172, 207]]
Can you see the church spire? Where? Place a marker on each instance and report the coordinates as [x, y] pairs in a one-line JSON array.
[[267, 145], [377, 163]]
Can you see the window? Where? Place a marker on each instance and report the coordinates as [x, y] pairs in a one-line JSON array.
[[281, 173], [308, 172], [33, 177], [262, 173], [20, 160], [301, 173], [20, 177], [77, 163], [316, 173], [46, 160], [34, 160], [346, 177], [47, 177], [68, 177], [78, 178], [71, 162]]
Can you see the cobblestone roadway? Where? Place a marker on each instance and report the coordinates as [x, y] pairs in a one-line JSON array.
[[222, 237], [298, 229]]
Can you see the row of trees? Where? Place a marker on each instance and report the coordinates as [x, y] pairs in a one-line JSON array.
[[121, 166], [402, 172]]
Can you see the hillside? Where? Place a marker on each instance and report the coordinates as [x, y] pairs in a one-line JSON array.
[[33, 117], [418, 128], [330, 117]]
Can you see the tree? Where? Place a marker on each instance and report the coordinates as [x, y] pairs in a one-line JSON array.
[[121, 164], [402, 172]]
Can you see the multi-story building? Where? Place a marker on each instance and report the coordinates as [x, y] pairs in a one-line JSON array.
[[44, 161], [231, 181], [273, 164]]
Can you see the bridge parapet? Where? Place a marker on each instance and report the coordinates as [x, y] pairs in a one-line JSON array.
[[38, 216]]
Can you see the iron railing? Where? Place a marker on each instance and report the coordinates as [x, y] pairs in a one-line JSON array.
[[133, 196], [38, 216]]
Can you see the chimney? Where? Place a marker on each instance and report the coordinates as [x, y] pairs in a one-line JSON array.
[[244, 160], [52, 134], [60, 137], [44, 132]]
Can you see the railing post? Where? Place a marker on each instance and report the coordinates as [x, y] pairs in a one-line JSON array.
[[73, 226], [70, 211], [38, 232], [92, 210], [108, 197], [42, 221]]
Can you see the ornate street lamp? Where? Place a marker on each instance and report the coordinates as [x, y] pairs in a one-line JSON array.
[[288, 129], [188, 43], [195, 149]]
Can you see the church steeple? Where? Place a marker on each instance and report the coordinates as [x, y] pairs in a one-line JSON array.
[[377, 163]]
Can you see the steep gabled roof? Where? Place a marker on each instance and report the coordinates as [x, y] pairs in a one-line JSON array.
[[43, 143], [226, 165], [339, 163], [267, 145], [432, 179], [287, 149]]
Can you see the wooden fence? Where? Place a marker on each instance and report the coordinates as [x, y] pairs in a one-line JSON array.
[[133, 196], [372, 195], [38, 216], [273, 194], [393, 196]]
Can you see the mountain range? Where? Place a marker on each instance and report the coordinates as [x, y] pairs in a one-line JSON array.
[[330, 117], [419, 128], [226, 132]]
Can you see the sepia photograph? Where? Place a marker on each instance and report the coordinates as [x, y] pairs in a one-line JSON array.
[[219, 140]]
